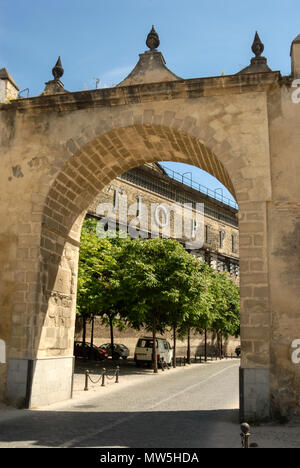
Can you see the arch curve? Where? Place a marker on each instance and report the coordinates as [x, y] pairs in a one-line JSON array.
[[96, 163]]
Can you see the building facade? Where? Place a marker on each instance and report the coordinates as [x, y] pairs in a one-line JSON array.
[[152, 186]]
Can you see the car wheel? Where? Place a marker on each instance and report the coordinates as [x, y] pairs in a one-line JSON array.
[[124, 357], [116, 356], [138, 364]]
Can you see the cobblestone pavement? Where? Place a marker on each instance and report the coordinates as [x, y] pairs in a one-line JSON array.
[[190, 407]]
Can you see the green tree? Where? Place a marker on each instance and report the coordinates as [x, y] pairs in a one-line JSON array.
[[226, 308], [98, 282], [194, 301], [160, 282]]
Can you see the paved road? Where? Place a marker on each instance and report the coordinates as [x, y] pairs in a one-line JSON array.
[[192, 408]]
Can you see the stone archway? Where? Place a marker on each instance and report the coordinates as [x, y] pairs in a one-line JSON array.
[[59, 151], [89, 168]]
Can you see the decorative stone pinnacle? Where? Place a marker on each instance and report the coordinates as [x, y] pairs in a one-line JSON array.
[[57, 70], [55, 86], [152, 39], [258, 63], [257, 46]]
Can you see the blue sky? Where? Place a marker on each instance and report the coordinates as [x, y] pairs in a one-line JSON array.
[[102, 39]]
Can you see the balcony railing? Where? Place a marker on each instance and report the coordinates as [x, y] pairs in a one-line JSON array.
[[184, 179], [138, 177]]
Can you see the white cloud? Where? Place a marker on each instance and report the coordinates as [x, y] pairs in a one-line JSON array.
[[113, 77]]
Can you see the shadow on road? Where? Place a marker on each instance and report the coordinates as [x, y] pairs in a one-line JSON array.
[[127, 367], [87, 428]]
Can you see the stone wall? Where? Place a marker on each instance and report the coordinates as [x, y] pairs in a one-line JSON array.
[[129, 338]]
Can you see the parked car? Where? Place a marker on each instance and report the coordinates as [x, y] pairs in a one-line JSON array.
[[120, 350], [144, 350], [238, 351], [86, 350]]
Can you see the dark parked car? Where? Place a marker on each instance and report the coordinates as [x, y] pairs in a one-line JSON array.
[[238, 351], [89, 351]]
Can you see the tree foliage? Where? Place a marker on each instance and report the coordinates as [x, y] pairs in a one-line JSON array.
[[153, 284]]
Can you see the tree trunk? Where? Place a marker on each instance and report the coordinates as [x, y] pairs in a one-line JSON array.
[[205, 344], [112, 344], [92, 332], [84, 329], [189, 347], [174, 345], [154, 354], [221, 345], [218, 344], [92, 339]]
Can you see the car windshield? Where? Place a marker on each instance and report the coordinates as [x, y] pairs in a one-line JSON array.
[[142, 343]]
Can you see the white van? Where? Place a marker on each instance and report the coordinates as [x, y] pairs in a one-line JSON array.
[[144, 349]]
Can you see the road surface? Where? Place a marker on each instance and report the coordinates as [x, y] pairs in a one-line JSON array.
[[193, 407]]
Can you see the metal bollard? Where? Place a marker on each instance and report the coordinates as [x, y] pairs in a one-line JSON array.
[[103, 377], [117, 374], [184, 361], [200, 359], [86, 380], [180, 361], [245, 435]]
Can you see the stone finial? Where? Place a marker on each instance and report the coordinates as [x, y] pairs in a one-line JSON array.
[[258, 63], [151, 67], [152, 39], [57, 70], [55, 86], [257, 46]]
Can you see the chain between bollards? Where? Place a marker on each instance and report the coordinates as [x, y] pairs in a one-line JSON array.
[[102, 376], [245, 435]]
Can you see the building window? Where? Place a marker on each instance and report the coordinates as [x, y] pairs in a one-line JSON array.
[[222, 235], [207, 234], [234, 243], [116, 199]]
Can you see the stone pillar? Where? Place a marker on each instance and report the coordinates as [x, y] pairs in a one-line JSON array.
[[255, 312], [40, 362]]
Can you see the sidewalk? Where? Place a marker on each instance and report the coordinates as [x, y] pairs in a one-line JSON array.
[[276, 435]]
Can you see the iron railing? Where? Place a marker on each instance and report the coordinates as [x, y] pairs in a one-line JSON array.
[[139, 177], [188, 180]]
